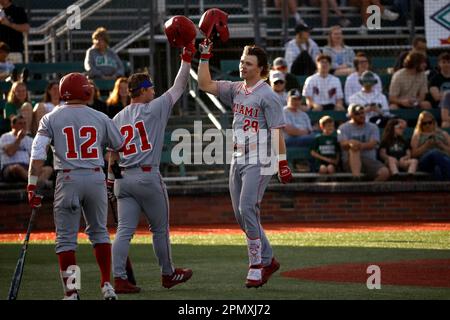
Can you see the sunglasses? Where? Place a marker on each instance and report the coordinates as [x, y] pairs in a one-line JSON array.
[[279, 82], [360, 113], [425, 123]]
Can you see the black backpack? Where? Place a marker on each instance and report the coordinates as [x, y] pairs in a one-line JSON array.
[[303, 65]]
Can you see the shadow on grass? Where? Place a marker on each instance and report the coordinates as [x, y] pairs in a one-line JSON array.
[[219, 273]]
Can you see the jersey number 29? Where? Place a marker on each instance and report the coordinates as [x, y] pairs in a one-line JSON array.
[[128, 132]]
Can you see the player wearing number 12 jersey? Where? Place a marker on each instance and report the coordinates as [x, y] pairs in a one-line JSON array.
[[141, 187], [78, 135]]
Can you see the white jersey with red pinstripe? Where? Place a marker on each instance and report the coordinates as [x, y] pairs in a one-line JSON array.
[[255, 109]]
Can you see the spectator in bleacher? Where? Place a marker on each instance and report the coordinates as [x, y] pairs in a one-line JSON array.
[[15, 149], [440, 82], [325, 148], [119, 98], [322, 90], [101, 62], [341, 55], [445, 110], [419, 44], [50, 101], [280, 64], [95, 102], [352, 83], [278, 83], [17, 102], [409, 85], [6, 67], [298, 131], [431, 146], [292, 10], [395, 150], [375, 102], [13, 24], [325, 9], [301, 52], [386, 14], [359, 141]]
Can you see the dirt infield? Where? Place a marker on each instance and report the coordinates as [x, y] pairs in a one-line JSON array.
[[274, 227], [424, 273]]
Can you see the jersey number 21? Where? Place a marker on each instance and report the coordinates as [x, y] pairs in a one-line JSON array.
[[128, 132]]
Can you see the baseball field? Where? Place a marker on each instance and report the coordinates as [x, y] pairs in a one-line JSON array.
[[318, 261]]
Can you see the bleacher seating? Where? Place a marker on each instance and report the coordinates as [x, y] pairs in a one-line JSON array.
[[122, 19]]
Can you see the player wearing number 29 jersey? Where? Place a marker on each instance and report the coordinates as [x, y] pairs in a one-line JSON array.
[[78, 135], [255, 108]]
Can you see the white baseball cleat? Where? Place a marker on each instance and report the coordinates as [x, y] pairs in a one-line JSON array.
[[73, 296], [108, 292]]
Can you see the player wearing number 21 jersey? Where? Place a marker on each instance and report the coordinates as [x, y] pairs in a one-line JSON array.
[[78, 135], [141, 187]]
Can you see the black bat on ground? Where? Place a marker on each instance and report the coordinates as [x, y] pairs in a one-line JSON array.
[[18, 272]]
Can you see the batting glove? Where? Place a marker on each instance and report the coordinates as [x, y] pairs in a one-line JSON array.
[[205, 49], [188, 53], [284, 172], [34, 200], [110, 190]]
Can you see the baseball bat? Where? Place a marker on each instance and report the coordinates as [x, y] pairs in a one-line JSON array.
[[129, 267], [18, 272]]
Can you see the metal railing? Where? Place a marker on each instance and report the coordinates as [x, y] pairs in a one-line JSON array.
[[51, 31], [222, 123]]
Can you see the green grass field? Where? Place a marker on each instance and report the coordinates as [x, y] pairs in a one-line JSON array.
[[219, 263]]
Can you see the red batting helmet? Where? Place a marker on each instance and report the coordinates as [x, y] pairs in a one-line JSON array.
[[180, 31], [214, 22], [75, 86]]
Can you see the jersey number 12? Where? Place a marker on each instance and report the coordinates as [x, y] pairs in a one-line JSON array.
[[86, 150], [128, 132]]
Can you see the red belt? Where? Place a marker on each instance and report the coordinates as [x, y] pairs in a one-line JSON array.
[[68, 170]]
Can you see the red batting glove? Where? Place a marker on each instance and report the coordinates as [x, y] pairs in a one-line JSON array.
[[284, 173], [188, 53], [205, 48], [34, 200]]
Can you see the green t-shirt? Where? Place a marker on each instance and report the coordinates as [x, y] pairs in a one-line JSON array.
[[10, 110], [326, 146]]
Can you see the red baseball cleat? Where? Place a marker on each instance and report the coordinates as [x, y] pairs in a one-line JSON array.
[[270, 269], [255, 277], [177, 277], [124, 286]]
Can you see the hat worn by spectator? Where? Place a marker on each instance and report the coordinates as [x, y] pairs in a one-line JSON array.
[[277, 76], [294, 93], [368, 77], [354, 107], [324, 120], [302, 27], [280, 62]]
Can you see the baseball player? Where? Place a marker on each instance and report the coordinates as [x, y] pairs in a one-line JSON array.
[[78, 135], [256, 108], [141, 188]]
